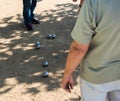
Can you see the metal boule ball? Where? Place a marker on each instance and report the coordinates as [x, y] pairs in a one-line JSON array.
[[37, 43], [49, 36], [45, 74], [38, 46], [45, 63], [53, 36]]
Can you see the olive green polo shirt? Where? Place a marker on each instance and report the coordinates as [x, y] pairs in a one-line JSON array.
[[98, 23]]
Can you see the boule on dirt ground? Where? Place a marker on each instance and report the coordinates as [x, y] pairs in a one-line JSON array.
[[20, 63]]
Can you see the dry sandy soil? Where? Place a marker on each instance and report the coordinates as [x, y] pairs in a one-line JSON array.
[[21, 64]]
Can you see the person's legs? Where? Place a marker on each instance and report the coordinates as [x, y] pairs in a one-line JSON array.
[[92, 92], [27, 14], [34, 21], [88, 93], [114, 95], [100, 92], [33, 5], [27, 11]]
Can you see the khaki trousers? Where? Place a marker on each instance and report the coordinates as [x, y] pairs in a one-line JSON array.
[[100, 92]]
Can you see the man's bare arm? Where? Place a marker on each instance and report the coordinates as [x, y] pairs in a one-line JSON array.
[[76, 54]]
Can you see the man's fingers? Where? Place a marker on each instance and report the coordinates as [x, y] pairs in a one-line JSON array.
[[74, 0], [66, 87], [71, 86], [67, 83]]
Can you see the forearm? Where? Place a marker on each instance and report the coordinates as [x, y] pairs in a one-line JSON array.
[[76, 54], [81, 2]]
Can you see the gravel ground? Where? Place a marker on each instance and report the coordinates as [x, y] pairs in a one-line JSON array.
[[21, 64]]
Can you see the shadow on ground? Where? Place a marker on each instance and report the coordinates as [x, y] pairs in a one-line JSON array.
[[21, 62]]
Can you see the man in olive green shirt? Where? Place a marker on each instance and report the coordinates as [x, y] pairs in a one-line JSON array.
[[96, 47]]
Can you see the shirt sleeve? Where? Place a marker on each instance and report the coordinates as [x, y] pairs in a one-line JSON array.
[[84, 27]]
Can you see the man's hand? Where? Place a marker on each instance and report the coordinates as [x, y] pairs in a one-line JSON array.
[[76, 54], [67, 83], [74, 0]]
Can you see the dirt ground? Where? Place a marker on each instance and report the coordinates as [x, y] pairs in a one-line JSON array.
[[21, 64]]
